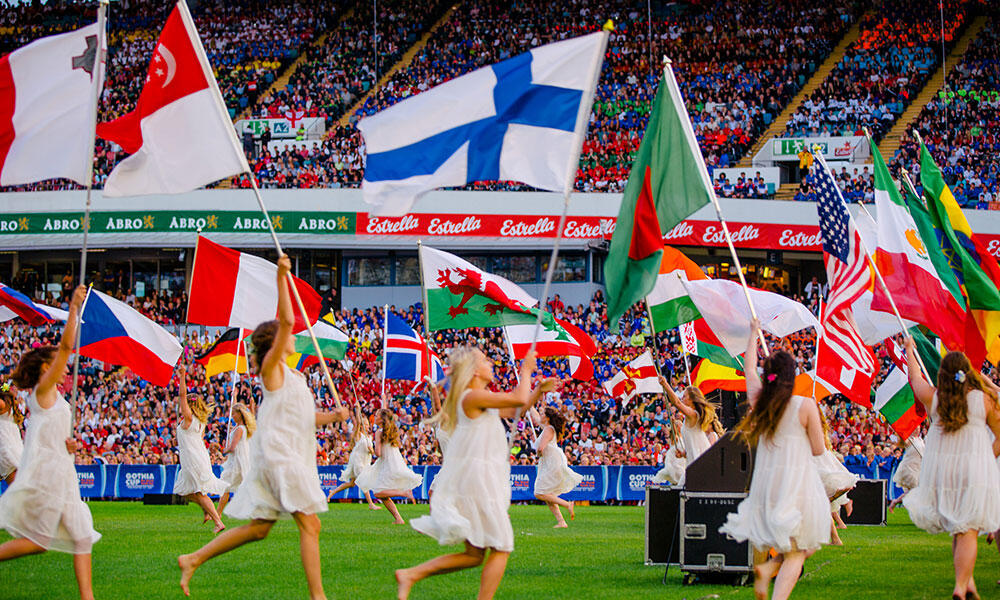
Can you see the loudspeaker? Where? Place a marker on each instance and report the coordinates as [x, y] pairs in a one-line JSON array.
[[163, 499], [726, 466], [732, 407], [662, 510], [869, 503]]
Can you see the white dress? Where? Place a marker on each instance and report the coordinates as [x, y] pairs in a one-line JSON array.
[[833, 473], [283, 477], [195, 475], [959, 484], [390, 472], [554, 475], [238, 462], [472, 494], [443, 438], [674, 467], [11, 445], [907, 475], [43, 504], [360, 459], [695, 441], [787, 507]]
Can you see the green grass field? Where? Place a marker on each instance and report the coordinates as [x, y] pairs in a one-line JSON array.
[[598, 557]]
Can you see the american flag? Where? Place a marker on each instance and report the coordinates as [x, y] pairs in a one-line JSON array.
[[849, 364]]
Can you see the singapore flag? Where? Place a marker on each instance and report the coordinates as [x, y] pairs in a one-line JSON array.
[[180, 136]]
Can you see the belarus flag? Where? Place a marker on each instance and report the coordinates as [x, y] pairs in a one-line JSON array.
[[115, 333], [180, 135], [47, 110], [233, 289], [637, 377], [555, 338]]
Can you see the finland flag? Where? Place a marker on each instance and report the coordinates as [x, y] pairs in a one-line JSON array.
[[522, 119]]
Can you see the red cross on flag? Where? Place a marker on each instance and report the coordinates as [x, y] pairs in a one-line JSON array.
[[180, 136], [636, 377]]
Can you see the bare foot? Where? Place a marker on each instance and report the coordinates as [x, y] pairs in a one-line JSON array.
[[205, 520], [572, 511], [835, 539], [849, 507], [560, 525], [219, 528], [187, 565], [403, 584], [762, 575], [399, 522], [374, 507]]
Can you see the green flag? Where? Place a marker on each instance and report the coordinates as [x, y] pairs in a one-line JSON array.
[[929, 235], [668, 183]]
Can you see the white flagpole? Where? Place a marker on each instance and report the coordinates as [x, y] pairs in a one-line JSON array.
[[684, 352], [678, 101], [385, 338], [517, 375], [97, 79], [236, 379], [819, 336]]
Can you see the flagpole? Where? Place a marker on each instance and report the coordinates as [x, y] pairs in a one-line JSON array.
[[819, 336], [426, 311], [674, 90], [385, 338], [96, 79], [517, 376], [684, 352], [236, 377]]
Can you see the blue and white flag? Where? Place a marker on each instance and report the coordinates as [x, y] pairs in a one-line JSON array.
[[522, 119], [406, 353]]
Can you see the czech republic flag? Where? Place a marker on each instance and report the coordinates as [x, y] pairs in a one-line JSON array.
[[115, 333], [23, 307]]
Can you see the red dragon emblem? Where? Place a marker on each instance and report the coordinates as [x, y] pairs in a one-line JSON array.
[[470, 283]]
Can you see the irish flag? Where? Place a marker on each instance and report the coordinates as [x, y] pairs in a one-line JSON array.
[[557, 338], [459, 295], [903, 259], [668, 183], [669, 303]]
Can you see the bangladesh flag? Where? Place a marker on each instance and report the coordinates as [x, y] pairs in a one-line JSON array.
[[669, 302], [668, 182], [459, 295]]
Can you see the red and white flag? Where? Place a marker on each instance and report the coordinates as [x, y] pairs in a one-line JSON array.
[[233, 289], [555, 338], [180, 136], [47, 109], [637, 377]]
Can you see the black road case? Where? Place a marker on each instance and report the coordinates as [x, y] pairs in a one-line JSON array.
[[704, 551]]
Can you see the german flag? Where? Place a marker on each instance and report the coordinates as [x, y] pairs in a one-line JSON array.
[[222, 355]]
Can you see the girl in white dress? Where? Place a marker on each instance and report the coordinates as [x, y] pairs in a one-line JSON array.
[[787, 508], [237, 463], [907, 475], [554, 477], [283, 480], [389, 477], [195, 479], [42, 509], [360, 459], [473, 493], [837, 481], [675, 464], [11, 445], [959, 486], [700, 428]]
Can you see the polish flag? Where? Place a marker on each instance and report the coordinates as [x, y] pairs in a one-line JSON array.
[[233, 289], [114, 332], [47, 109], [180, 136]]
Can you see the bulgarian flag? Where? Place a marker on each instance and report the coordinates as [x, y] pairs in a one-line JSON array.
[[332, 342], [668, 182], [698, 339], [459, 295], [974, 267], [556, 338], [668, 301], [904, 261], [708, 377], [894, 398]]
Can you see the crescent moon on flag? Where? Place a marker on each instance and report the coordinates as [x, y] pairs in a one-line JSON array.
[[171, 64]]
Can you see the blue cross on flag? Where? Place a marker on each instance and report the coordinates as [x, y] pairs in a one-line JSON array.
[[522, 119]]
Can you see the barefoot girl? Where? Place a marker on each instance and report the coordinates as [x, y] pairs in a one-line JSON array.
[[360, 459], [699, 430], [907, 475], [675, 464], [957, 490], [787, 508], [283, 480], [42, 509], [837, 481], [389, 477], [554, 478], [11, 445], [237, 463], [195, 479], [471, 499]]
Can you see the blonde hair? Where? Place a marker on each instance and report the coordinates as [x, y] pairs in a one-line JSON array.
[[361, 427], [826, 428], [704, 408], [200, 409], [249, 421], [462, 365], [390, 431]]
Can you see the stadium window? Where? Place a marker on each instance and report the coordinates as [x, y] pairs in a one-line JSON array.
[[519, 269], [368, 271], [479, 261], [407, 270], [572, 267], [597, 270]]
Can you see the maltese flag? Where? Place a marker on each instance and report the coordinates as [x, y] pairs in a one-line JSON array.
[[180, 136], [522, 119]]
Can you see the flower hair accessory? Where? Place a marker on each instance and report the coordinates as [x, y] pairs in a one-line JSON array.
[[772, 377], [5, 387], [960, 376]]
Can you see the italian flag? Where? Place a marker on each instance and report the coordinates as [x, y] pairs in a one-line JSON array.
[[698, 339], [668, 182], [668, 301], [556, 338], [333, 344], [459, 295], [904, 260]]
